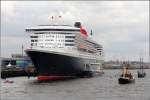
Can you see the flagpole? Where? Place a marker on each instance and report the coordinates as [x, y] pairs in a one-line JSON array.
[[91, 33], [54, 19]]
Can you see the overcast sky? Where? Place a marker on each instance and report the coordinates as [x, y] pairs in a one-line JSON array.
[[122, 27]]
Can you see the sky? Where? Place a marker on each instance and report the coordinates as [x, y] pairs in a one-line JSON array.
[[122, 27]]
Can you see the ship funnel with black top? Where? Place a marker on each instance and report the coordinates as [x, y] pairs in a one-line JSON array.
[[77, 24], [82, 30]]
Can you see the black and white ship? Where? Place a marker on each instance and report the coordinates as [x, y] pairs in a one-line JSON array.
[[61, 51]]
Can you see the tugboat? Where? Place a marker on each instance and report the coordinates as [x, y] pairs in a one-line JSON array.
[[126, 77], [141, 73]]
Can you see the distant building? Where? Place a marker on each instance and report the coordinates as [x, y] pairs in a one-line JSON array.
[[118, 65]]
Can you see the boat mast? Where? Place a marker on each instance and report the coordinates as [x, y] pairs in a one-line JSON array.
[[141, 64]]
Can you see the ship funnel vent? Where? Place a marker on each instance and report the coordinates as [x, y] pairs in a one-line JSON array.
[[77, 24]]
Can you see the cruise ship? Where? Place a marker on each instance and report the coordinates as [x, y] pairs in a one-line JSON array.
[[64, 51]]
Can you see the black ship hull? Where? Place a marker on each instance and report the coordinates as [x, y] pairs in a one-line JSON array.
[[123, 80], [58, 65]]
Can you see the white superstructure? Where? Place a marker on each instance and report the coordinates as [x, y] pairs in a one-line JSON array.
[[64, 39]]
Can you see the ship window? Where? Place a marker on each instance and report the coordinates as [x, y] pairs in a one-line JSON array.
[[47, 40], [34, 36], [70, 36], [65, 33], [69, 44], [99, 49], [39, 33], [69, 40]]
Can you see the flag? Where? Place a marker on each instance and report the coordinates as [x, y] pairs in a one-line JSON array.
[[22, 46], [52, 17], [59, 16], [91, 33]]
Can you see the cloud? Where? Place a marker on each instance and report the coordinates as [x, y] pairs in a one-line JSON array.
[[8, 8], [122, 27]]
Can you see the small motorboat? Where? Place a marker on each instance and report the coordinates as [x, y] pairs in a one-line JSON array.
[[126, 77]]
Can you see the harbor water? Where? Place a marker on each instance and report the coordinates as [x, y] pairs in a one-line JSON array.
[[103, 87]]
